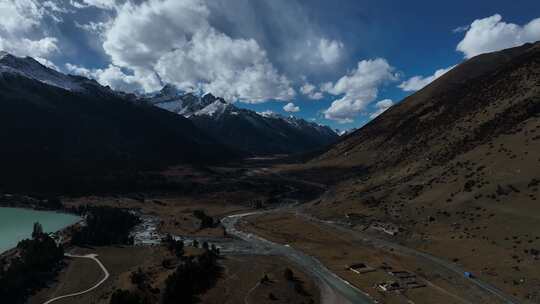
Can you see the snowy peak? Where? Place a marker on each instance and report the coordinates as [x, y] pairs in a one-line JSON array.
[[255, 133], [297, 123], [170, 90], [3, 54], [168, 93], [216, 108], [302, 124], [189, 104], [345, 132], [30, 68], [269, 114]]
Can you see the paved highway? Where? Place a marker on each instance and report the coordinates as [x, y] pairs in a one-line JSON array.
[[259, 245], [343, 291], [455, 269]]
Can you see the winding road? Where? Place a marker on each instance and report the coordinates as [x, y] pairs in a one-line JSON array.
[[333, 288], [451, 267], [95, 259], [343, 291], [330, 281]]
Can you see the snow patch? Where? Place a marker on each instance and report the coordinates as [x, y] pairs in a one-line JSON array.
[[30, 68], [216, 108]]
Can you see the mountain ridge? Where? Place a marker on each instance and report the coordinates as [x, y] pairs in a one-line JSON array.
[[454, 165], [31, 68], [243, 129], [53, 135], [391, 123]]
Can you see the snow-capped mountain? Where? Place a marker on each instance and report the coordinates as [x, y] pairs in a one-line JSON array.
[[188, 104], [345, 132], [239, 129], [61, 128], [249, 131], [30, 68]]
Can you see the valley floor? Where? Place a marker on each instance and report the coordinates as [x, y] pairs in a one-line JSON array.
[[240, 281], [337, 247]]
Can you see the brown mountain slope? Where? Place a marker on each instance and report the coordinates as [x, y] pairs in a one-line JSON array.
[[478, 100], [456, 167]]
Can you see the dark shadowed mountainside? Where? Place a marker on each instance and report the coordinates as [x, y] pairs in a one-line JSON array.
[[54, 130], [245, 130]]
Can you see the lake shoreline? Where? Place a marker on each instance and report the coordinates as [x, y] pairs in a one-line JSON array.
[[28, 202], [63, 232]]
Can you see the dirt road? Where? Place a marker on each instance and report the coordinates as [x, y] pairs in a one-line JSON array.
[[88, 256]]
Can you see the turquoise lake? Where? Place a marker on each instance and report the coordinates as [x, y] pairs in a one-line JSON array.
[[16, 224]]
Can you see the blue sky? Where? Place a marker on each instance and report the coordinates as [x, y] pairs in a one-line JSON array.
[[353, 58], [415, 36]]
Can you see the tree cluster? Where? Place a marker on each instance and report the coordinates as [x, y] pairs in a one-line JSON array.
[[206, 220], [38, 262], [191, 278], [176, 247], [127, 297], [52, 203], [105, 226], [117, 147]]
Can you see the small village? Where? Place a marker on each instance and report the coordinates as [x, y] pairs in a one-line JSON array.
[[399, 280]]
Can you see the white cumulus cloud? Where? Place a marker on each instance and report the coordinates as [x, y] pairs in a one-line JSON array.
[[316, 53], [461, 29], [311, 92], [419, 82], [291, 108], [359, 88], [21, 28], [492, 34], [115, 77], [97, 28], [381, 107], [236, 69], [103, 4], [330, 50], [19, 16], [175, 40]]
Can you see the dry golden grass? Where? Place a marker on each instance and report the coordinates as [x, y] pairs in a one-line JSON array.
[[337, 250], [241, 282], [80, 275]]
